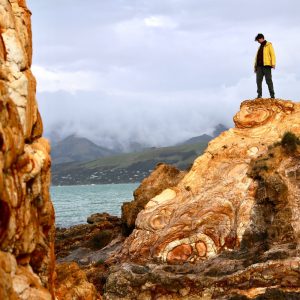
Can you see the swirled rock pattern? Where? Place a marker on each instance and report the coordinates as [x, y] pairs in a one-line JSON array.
[[162, 176], [26, 211], [230, 228], [209, 210]]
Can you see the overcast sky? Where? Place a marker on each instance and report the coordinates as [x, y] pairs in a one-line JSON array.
[[156, 71]]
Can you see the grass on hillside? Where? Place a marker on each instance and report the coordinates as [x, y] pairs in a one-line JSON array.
[[177, 155], [125, 160]]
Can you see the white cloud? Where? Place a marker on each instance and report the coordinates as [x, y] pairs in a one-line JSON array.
[[160, 22], [156, 118], [53, 80], [158, 71]]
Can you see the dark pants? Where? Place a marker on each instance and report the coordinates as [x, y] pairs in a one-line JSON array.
[[260, 73]]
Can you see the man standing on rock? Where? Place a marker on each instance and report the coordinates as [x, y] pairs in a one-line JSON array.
[[265, 60]]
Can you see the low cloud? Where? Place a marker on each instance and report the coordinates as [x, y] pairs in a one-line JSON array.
[[53, 80], [155, 72], [160, 22]]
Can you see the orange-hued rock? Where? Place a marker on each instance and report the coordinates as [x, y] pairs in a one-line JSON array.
[[16, 58], [27, 259], [27, 229], [72, 283], [163, 176], [230, 228], [19, 281], [212, 204]]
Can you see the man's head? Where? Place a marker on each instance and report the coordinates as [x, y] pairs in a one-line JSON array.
[[260, 38]]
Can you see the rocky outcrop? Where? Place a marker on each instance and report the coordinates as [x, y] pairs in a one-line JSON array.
[[27, 260], [86, 246], [162, 177], [70, 275], [209, 210], [26, 211], [81, 243], [230, 228]]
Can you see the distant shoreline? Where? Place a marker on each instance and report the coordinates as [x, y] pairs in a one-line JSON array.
[[89, 184]]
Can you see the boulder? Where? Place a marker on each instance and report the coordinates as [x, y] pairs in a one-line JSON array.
[[162, 176]]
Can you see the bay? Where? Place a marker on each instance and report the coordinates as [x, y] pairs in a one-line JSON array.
[[73, 204]]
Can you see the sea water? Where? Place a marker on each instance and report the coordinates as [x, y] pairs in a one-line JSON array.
[[73, 204]]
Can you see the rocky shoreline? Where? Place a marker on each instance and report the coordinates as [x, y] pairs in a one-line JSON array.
[[84, 249], [228, 228], [266, 264], [91, 247]]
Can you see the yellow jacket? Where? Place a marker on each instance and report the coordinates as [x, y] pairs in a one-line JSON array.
[[269, 55]]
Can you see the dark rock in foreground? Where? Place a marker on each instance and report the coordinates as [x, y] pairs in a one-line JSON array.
[[86, 247]]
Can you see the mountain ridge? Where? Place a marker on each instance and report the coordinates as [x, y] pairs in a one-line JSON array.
[[125, 167], [75, 148]]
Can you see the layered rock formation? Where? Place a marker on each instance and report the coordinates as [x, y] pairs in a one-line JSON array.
[[26, 212], [230, 228], [209, 210], [163, 176]]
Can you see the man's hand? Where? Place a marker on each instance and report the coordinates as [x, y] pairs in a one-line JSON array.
[[273, 67]]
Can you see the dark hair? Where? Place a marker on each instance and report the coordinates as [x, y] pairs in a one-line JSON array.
[[259, 36]]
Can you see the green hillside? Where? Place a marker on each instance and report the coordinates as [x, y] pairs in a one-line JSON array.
[[75, 148], [128, 167]]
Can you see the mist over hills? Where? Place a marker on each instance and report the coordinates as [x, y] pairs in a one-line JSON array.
[[205, 137], [78, 149], [125, 167], [79, 161], [75, 148]]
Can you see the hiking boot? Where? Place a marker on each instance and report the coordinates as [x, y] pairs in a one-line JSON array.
[[258, 97]]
